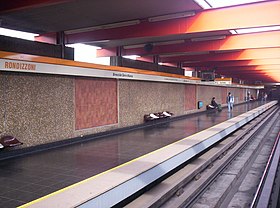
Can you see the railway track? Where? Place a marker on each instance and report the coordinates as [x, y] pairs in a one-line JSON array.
[[226, 175]]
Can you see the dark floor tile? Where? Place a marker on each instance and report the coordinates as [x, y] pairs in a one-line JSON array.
[[18, 195], [4, 189], [9, 203], [45, 191], [46, 182], [59, 177], [34, 188], [61, 185], [13, 184]]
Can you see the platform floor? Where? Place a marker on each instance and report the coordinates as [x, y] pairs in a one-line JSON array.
[[30, 177]]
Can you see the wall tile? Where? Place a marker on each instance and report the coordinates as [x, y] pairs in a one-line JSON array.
[[95, 102], [137, 98], [39, 108]]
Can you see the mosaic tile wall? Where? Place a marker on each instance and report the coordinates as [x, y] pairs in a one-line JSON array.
[[137, 98], [39, 108], [239, 94], [2, 104], [224, 95], [206, 93], [95, 102], [252, 92]]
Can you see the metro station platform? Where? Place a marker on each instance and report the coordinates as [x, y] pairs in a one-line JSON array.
[[27, 178]]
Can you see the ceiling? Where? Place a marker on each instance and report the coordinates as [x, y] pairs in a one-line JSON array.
[[200, 39]]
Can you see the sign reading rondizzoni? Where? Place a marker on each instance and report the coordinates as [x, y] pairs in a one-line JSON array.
[[45, 68], [58, 69], [19, 66]]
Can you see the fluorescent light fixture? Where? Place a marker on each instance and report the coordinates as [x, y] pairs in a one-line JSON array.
[[160, 63], [225, 3], [184, 54], [132, 57], [134, 46], [83, 46], [18, 34], [207, 4], [104, 27], [227, 51], [189, 62], [257, 29], [233, 32], [203, 4], [169, 42], [208, 38], [171, 16], [155, 44], [121, 24]]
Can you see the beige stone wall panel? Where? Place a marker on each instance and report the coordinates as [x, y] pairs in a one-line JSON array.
[[39, 108], [137, 98]]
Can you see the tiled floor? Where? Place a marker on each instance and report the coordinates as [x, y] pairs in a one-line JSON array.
[[27, 178]]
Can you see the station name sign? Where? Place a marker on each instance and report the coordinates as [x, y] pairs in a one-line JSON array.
[[19, 65], [56, 69]]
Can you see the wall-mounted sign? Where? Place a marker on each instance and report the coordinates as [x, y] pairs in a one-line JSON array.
[[57, 69]]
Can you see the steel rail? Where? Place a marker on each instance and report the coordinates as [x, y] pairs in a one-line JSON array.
[[263, 193]]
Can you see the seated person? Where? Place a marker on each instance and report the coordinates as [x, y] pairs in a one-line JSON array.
[[213, 103], [252, 98]]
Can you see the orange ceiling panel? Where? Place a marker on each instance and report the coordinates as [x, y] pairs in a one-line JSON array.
[[234, 42], [237, 17], [246, 54], [255, 62], [243, 16]]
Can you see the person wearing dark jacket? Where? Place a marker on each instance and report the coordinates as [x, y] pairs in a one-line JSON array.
[[230, 101], [213, 103]]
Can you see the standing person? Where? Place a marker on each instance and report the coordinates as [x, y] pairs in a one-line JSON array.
[[265, 96], [230, 101]]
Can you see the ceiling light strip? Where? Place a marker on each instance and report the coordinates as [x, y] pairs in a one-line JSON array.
[[104, 27], [171, 16], [208, 38]]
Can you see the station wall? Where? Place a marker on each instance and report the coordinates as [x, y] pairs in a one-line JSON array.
[[39, 109]]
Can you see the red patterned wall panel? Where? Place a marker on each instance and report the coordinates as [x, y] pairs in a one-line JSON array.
[[95, 102], [190, 97]]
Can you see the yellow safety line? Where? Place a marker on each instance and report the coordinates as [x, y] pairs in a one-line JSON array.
[[93, 177]]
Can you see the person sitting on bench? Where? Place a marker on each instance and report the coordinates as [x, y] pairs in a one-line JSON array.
[[213, 103]]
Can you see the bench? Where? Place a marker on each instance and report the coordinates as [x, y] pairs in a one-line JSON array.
[[157, 116], [9, 141], [211, 107]]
